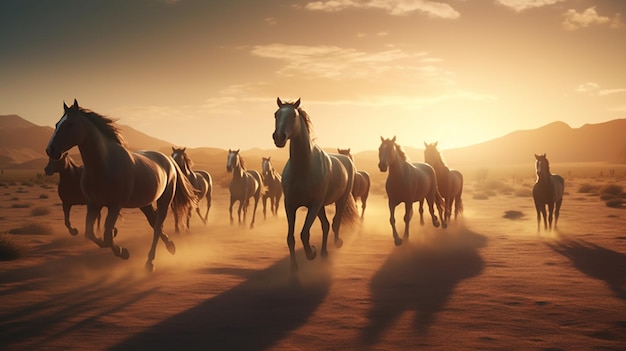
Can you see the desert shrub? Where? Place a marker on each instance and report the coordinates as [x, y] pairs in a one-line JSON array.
[[20, 205], [612, 189], [40, 211], [524, 192], [606, 197], [43, 196], [10, 249], [28, 184], [480, 196], [615, 203], [4, 185], [15, 198], [588, 188], [33, 228]]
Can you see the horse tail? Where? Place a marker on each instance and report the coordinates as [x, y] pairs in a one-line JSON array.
[[350, 215], [185, 197], [458, 207]]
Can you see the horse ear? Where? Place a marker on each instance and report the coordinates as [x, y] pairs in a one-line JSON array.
[[297, 104], [536, 157], [269, 158], [65, 106], [237, 151], [184, 149], [425, 144], [394, 139], [280, 103], [381, 138], [173, 148], [435, 143], [75, 104]]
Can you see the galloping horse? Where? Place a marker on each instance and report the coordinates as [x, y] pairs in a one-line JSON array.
[[69, 189], [272, 181], [312, 178], [548, 190], [201, 181], [244, 185], [449, 182], [408, 182], [117, 178], [361, 187]]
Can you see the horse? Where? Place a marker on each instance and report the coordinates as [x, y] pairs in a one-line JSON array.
[[201, 181], [449, 181], [272, 181], [116, 178], [548, 190], [408, 182], [312, 178], [244, 185], [69, 189], [362, 183]]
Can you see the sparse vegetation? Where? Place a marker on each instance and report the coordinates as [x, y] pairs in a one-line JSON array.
[[10, 249], [43, 196], [523, 192], [20, 205], [587, 188], [40, 211], [34, 228]]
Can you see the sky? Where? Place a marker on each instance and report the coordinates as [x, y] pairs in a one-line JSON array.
[[207, 73]]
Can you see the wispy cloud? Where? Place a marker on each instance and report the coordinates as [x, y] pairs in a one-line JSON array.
[[521, 5], [587, 87], [605, 92], [574, 20], [593, 88], [394, 7]]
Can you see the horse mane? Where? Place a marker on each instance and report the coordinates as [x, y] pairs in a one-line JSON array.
[[187, 159], [436, 154], [105, 125], [307, 121], [401, 152], [242, 163]]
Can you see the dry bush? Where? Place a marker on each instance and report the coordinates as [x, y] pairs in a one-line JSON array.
[[20, 205], [612, 189], [35, 228], [43, 196], [615, 203], [524, 192], [10, 249], [588, 188], [40, 211]]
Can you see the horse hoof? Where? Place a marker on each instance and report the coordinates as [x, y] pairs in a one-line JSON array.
[[444, 225], [436, 224], [397, 241], [124, 253], [312, 253], [73, 231], [149, 267], [338, 243], [324, 254], [170, 247]]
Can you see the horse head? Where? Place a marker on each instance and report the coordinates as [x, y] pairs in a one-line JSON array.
[[56, 165], [233, 160], [287, 122], [431, 154], [69, 131], [266, 165], [542, 165], [386, 153], [345, 152]]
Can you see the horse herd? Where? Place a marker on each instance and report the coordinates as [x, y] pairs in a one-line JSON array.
[[114, 177]]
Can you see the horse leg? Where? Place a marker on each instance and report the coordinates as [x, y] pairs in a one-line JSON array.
[[256, 203], [421, 211], [325, 229], [305, 234], [363, 204], [189, 218], [90, 219], [230, 209], [277, 204], [109, 226], [208, 207], [557, 211], [392, 221], [264, 205], [431, 210], [150, 214], [66, 215], [291, 241], [408, 214], [550, 214], [160, 214]]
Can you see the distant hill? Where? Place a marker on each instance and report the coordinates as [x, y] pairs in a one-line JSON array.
[[22, 145]]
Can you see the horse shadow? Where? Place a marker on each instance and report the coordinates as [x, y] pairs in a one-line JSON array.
[[251, 316], [596, 262], [421, 278]]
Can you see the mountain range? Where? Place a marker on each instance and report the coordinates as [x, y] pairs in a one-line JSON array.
[[22, 146]]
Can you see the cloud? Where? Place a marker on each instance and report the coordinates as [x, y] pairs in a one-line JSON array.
[[574, 20], [605, 92], [394, 7], [332, 62], [587, 87], [521, 5]]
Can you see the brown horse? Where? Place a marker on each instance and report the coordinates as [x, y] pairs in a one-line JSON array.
[[272, 181], [117, 178], [449, 182], [408, 182], [361, 188], [312, 178], [201, 181], [69, 189], [548, 190], [244, 185]]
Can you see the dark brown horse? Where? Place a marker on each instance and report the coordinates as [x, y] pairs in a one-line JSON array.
[[408, 182], [244, 185], [200, 179], [362, 183], [69, 189], [272, 182], [117, 178], [548, 190], [312, 178], [449, 182]]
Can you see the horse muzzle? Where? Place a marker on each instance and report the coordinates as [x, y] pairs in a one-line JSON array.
[[280, 139], [382, 167]]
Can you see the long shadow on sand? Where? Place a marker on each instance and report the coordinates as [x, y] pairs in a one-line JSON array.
[[422, 277], [596, 262], [251, 316]]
